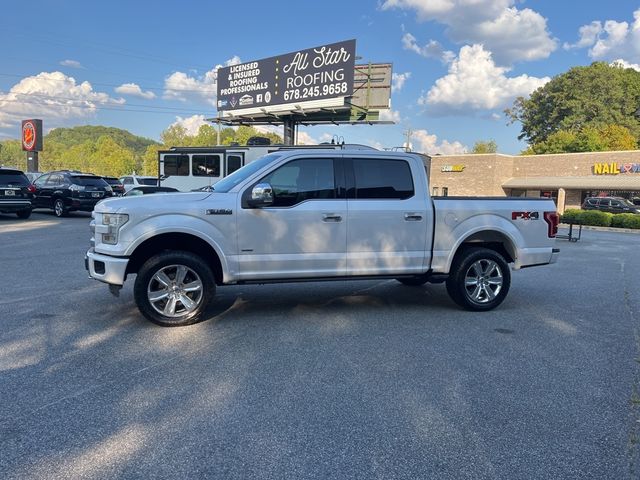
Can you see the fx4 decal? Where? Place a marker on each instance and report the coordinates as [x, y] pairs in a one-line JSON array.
[[525, 216]]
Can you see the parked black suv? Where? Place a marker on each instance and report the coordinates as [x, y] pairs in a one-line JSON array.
[[116, 185], [65, 191], [16, 192], [610, 204]]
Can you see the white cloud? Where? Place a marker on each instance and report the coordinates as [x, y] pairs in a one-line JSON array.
[[71, 63], [511, 34], [191, 124], [52, 96], [398, 80], [428, 143], [624, 64], [588, 36], [390, 115], [305, 139], [611, 40], [181, 86], [135, 91], [432, 49], [269, 129], [475, 82]]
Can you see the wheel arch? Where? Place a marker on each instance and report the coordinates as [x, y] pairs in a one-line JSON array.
[[178, 241], [492, 239]]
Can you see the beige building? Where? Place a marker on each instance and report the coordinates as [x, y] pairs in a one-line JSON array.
[[567, 178]]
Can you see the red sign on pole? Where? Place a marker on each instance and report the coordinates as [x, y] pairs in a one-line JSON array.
[[32, 135]]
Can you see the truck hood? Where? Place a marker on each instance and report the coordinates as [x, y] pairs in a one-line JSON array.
[[155, 202]]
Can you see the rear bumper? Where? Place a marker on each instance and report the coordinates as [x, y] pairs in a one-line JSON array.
[[555, 253], [83, 204], [107, 269], [13, 206]]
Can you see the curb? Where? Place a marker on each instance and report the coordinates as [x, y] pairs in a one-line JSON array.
[[602, 229]]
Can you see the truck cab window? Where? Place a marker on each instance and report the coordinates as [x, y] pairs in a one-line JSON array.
[[300, 180], [382, 179]]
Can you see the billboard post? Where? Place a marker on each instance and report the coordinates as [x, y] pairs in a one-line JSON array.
[[32, 142]]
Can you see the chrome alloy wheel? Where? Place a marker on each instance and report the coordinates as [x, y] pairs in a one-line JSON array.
[[58, 208], [483, 281], [175, 291]]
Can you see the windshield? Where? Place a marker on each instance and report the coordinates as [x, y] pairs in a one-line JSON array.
[[628, 203], [245, 172]]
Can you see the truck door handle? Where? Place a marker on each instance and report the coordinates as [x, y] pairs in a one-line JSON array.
[[412, 217], [331, 217]]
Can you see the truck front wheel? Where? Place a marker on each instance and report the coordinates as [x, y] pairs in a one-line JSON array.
[[173, 288], [479, 279]]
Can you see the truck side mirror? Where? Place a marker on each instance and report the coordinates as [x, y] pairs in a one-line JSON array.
[[261, 195]]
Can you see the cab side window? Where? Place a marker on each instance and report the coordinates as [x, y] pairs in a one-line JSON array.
[[382, 179], [301, 180]]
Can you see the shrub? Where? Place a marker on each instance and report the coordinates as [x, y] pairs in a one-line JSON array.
[[630, 220], [596, 218], [570, 215], [619, 219]]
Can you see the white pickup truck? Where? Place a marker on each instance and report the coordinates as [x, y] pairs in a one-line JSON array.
[[312, 215]]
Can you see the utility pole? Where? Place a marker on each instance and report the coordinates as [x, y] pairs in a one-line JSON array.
[[408, 134]]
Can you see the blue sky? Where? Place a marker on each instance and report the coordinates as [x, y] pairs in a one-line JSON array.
[[457, 63]]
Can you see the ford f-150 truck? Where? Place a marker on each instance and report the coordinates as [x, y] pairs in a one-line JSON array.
[[311, 215]]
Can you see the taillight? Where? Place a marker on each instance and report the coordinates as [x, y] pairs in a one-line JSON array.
[[31, 188], [552, 219]]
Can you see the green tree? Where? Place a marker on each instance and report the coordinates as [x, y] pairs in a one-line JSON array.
[[206, 137], [150, 160], [588, 139], [11, 154], [482, 146], [618, 138], [175, 136], [591, 96], [109, 158]]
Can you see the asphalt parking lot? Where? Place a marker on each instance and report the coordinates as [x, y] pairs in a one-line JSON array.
[[366, 379]]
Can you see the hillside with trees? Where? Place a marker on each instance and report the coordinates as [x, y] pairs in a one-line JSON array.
[[113, 151], [592, 108]]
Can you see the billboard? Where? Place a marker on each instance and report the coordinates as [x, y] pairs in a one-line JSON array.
[[32, 135], [304, 76]]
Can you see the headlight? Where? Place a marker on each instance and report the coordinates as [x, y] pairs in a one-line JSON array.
[[113, 222]]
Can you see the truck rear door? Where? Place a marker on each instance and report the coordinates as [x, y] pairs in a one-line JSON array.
[[388, 217]]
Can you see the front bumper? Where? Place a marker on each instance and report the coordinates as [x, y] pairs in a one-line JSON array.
[[107, 269]]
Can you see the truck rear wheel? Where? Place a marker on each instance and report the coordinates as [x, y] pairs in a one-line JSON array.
[[479, 279], [173, 288]]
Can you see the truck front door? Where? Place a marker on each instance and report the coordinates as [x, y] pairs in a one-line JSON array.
[[304, 232]]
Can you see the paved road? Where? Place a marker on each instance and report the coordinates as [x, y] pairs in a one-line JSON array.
[[367, 379]]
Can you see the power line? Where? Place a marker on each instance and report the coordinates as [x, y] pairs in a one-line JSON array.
[[89, 107], [103, 102], [203, 90], [54, 38]]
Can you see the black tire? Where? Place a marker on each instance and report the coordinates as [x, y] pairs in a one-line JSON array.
[[59, 208], [171, 297], [416, 281], [479, 279], [24, 214]]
